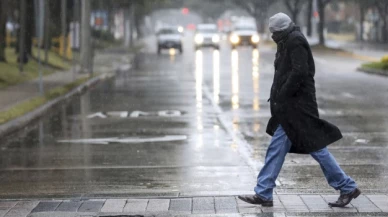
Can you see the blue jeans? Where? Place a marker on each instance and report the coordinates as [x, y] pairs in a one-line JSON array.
[[277, 151]]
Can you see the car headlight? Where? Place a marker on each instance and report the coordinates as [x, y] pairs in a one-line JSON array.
[[216, 38], [198, 39], [234, 39], [255, 38]]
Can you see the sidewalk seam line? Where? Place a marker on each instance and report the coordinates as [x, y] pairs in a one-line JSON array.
[[9, 210], [331, 208], [373, 203], [304, 202]]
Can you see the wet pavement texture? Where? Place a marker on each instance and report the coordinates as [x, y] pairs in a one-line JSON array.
[[193, 125]]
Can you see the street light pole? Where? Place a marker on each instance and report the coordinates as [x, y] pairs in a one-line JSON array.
[[63, 25], [132, 23], [85, 37], [46, 30], [75, 34], [39, 8]]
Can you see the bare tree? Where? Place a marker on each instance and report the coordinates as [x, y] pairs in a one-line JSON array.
[[382, 8], [363, 6], [294, 6], [256, 8], [308, 17], [46, 34], [3, 19], [321, 27]]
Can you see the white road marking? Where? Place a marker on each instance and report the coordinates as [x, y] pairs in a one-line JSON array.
[[321, 111], [97, 115], [106, 141], [348, 95], [362, 141], [125, 67], [135, 114]]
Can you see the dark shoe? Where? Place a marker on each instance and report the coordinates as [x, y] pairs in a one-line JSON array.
[[345, 199], [254, 199]]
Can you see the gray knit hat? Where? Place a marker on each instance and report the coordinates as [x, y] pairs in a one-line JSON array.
[[279, 22]]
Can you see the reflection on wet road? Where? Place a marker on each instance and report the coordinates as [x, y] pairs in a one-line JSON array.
[[156, 130]]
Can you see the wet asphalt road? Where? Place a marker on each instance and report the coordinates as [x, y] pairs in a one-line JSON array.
[[193, 124]]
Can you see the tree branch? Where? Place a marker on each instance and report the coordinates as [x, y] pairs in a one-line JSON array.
[[380, 8], [288, 5], [245, 5], [325, 2]]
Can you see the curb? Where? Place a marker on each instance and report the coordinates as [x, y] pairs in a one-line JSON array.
[[13, 125], [357, 56], [19, 122], [346, 53], [373, 71]]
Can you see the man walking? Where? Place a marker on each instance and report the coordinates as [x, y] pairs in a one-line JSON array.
[[295, 126]]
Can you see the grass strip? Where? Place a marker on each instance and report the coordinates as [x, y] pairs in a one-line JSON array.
[[9, 71], [31, 104], [376, 65]]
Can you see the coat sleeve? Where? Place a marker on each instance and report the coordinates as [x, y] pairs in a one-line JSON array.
[[298, 73]]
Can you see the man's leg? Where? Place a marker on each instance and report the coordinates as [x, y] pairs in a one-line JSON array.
[[336, 177], [279, 147]]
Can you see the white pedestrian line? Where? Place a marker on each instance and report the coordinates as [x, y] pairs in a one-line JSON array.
[[125, 67], [348, 95], [106, 141], [362, 141], [97, 115], [321, 111], [135, 114]]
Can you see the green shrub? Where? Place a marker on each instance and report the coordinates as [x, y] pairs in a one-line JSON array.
[[377, 65]]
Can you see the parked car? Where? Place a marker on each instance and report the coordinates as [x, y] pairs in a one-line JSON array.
[[207, 36], [169, 37]]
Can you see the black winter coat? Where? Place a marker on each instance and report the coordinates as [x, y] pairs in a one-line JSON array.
[[293, 102]]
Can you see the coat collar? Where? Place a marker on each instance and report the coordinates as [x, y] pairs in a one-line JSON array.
[[282, 36]]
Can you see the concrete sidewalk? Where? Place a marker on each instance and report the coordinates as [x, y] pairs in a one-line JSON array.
[[284, 205]]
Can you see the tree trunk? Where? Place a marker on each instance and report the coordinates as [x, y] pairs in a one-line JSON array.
[[362, 18], [111, 21], [30, 26], [309, 17], [295, 13], [3, 20], [385, 23], [64, 25], [138, 22], [261, 19], [46, 31], [22, 58], [321, 26], [132, 22], [385, 30]]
